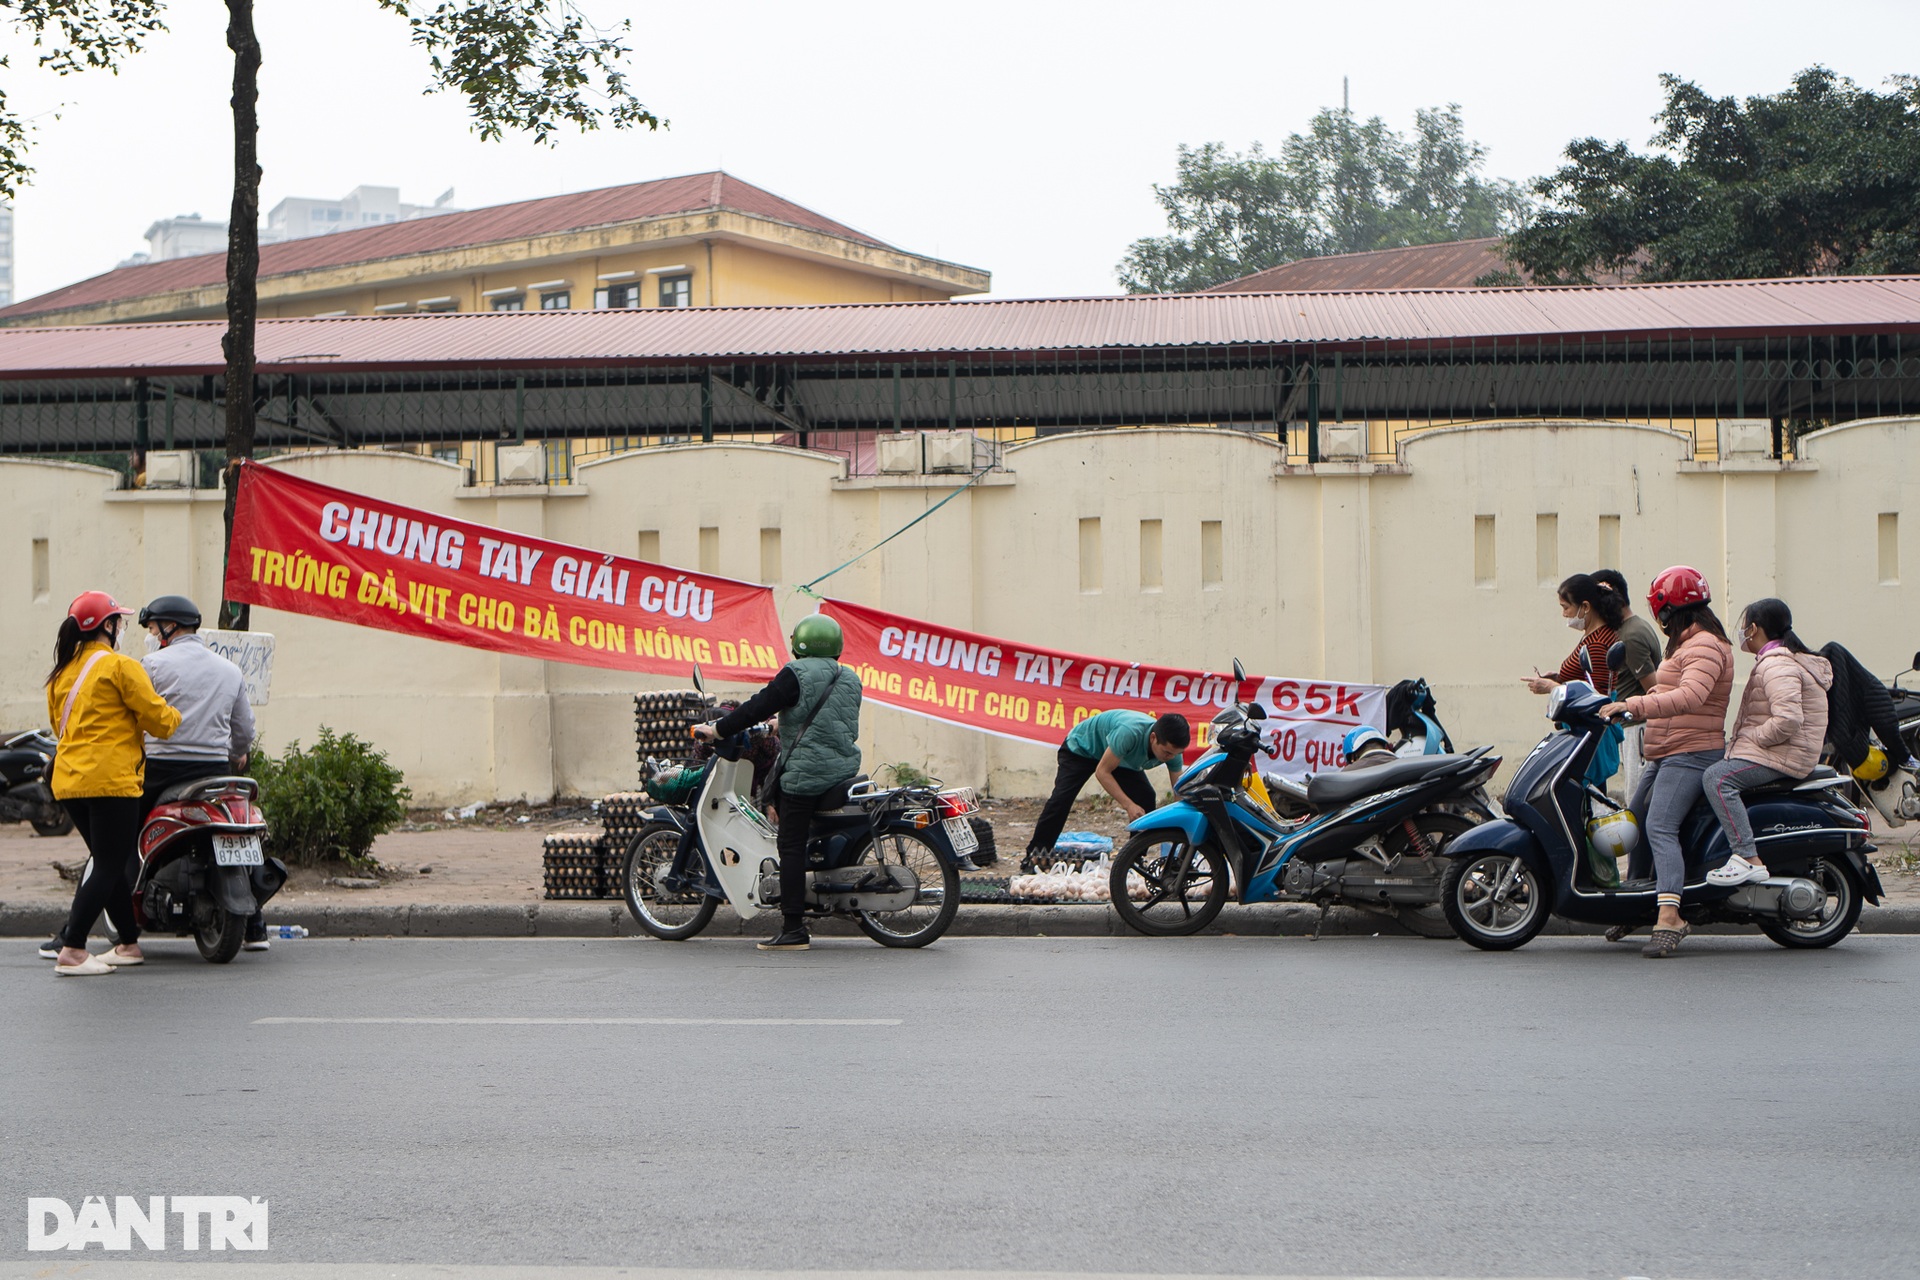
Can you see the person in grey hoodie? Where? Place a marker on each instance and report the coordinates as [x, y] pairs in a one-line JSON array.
[[1777, 734]]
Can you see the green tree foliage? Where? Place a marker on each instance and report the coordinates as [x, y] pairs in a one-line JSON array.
[[1343, 186], [1823, 179], [331, 801]]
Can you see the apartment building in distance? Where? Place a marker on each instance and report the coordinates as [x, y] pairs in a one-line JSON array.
[[707, 239]]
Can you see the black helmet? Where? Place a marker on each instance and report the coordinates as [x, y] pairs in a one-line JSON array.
[[175, 609]]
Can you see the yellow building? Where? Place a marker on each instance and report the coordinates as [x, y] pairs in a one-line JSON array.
[[705, 239]]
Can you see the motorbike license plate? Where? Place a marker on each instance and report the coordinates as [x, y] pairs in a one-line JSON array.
[[960, 832], [236, 851]]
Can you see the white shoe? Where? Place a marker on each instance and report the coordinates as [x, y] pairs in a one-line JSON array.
[[91, 967], [1737, 871]]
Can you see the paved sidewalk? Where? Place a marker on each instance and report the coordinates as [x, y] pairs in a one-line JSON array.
[[475, 880]]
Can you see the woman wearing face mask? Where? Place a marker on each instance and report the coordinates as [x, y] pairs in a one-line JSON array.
[[1686, 715], [100, 702], [1594, 613], [1776, 735]]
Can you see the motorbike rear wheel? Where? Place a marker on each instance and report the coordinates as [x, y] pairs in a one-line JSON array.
[[1186, 884], [219, 937], [1439, 827], [1836, 920], [934, 906], [671, 917], [59, 825], [1493, 901]]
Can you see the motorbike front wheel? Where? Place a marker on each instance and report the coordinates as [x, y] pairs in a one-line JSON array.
[[219, 936], [668, 915], [1493, 901], [934, 906], [1186, 884], [1836, 918]]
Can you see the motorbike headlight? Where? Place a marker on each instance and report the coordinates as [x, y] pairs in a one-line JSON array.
[[1555, 701]]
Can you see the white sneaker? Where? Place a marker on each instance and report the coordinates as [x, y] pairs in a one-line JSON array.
[[1737, 871]]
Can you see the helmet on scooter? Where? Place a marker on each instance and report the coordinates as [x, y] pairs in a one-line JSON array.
[[816, 636], [1359, 740], [1676, 588], [1874, 767], [90, 609], [175, 609], [1614, 835]]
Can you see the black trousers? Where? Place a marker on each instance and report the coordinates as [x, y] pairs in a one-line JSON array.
[[796, 824], [1075, 769], [164, 773], [110, 826]]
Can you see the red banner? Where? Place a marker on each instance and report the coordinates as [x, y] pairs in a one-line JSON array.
[[1038, 695], [313, 549]]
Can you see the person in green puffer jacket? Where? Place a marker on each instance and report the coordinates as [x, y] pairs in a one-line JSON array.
[[818, 702]]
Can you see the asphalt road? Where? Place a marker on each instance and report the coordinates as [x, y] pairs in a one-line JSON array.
[[1334, 1108]]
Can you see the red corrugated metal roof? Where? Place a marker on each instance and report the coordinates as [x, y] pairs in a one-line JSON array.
[[693, 193], [1455, 264], [904, 329]]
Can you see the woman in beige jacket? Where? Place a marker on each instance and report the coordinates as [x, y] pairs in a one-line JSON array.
[[1686, 715], [1777, 735]]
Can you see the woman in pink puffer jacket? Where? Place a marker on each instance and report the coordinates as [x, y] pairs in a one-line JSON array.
[[1777, 735], [1686, 714]]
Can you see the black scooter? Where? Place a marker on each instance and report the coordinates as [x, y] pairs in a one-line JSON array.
[[1505, 878], [26, 766]]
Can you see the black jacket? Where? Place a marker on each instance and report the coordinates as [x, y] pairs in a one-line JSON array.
[[1858, 703]]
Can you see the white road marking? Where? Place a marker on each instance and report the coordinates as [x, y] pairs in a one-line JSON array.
[[86, 1269], [581, 1022]]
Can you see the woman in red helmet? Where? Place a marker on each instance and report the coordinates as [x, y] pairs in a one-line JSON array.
[[100, 702], [1686, 717]]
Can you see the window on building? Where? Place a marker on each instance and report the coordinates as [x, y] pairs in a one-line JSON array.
[[1212, 556], [333, 215], [559, 300], [559, 460], [510, 302], [1090, 567], [619, 297], [709, 549], [676, 291]]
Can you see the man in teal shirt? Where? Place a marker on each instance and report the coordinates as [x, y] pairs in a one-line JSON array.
[[1115, 748]]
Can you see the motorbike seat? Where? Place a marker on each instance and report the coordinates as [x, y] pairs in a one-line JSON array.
[[850, 809], [1331, 790], [1820, 773], [181, 790]]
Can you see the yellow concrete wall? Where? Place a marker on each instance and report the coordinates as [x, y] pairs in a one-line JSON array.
[[1346, 570], [741, 275]]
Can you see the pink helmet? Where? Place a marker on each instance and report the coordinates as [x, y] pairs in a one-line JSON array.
[[92, 608]]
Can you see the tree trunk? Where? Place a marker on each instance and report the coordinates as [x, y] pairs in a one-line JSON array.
[[243, 270]]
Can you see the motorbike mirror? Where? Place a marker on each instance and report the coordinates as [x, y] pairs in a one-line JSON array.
[[698, 684], [1256, 712], [1617, 657], [1239, 672], [1916, 663]]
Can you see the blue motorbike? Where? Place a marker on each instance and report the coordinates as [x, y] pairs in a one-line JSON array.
[[1376, 838], [1549, 855]]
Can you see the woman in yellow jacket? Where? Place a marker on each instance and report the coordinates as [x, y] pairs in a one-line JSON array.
[[100, 702]]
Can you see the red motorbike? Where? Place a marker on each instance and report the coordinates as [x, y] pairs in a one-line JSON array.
[[203, 864]]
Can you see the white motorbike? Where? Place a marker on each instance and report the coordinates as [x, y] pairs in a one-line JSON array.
[[889, 858]]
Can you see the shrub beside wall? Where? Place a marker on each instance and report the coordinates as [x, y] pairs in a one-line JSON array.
[[329, 801]]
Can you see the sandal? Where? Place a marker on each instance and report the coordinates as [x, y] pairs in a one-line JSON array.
[[1663, 943], [1619, 932]]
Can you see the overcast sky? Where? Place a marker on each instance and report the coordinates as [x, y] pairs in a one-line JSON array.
[[1023, 138]]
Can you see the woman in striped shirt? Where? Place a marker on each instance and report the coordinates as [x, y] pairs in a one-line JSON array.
[[1594, 614]]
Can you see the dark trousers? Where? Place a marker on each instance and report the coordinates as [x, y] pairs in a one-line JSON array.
[[110, 826], [1075, 769], [796, 824], [164, 773]]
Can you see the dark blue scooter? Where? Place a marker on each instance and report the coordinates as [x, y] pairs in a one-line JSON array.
[[1505, 878]]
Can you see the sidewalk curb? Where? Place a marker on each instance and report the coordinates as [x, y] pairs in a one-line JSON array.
[[976, 920]]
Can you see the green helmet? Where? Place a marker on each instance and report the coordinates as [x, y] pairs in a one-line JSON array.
[[816, 636]]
